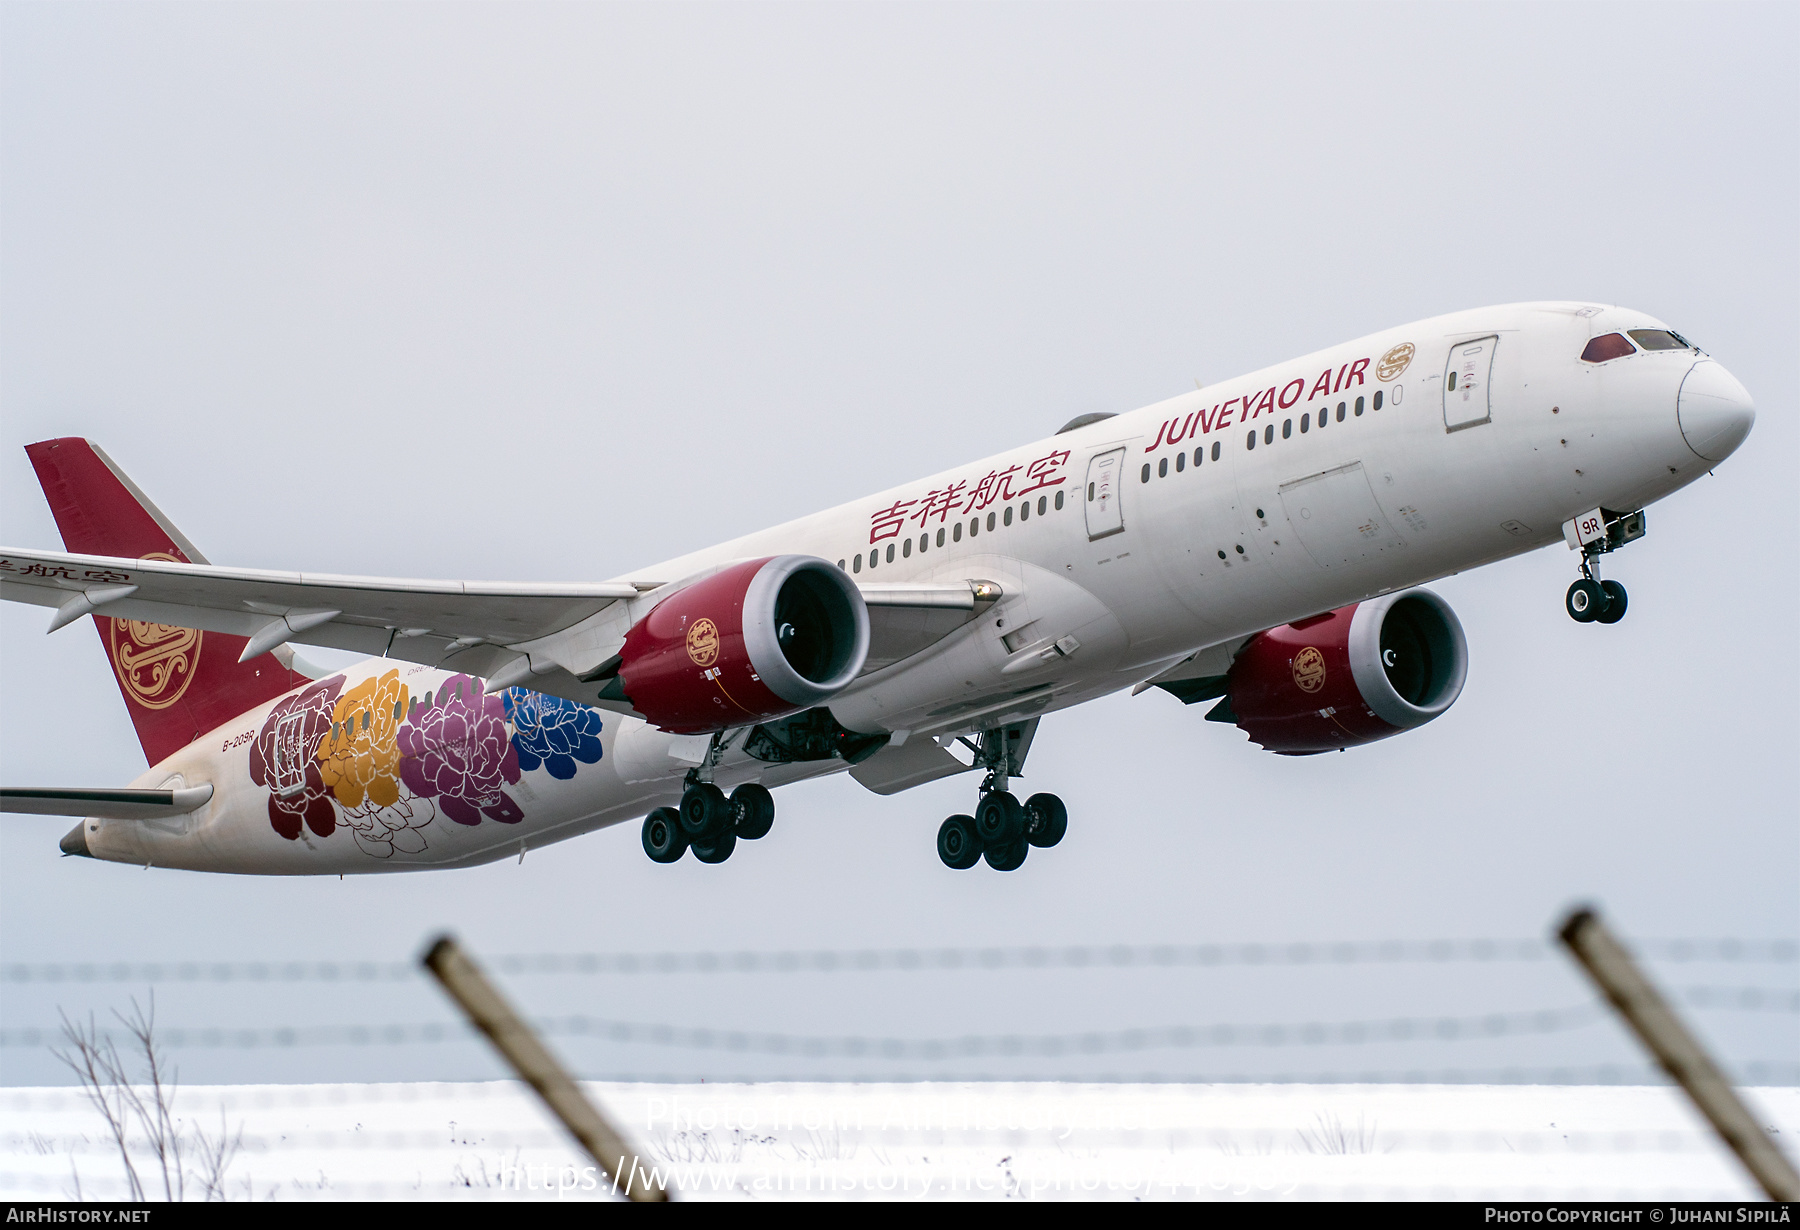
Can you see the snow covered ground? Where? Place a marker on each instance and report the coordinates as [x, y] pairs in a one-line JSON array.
[[493, 1141]]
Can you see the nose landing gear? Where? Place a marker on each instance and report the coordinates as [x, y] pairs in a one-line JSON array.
[[1591, 600], [1597, 602]]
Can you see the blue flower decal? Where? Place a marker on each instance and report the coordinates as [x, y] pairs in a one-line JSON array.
[[552, 732]]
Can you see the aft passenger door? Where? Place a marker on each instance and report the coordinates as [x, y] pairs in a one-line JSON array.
[[1466, 383], [1104, 513]]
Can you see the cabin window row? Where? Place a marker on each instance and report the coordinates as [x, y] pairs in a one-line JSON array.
[[1181, 463], [994, 520], [1306, 420], [1323, 418]]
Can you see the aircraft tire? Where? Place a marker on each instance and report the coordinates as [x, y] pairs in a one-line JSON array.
[[1585, 601], [664, 841], [705, 812], [1009, 857], [1046, 820], [1616, 600], [717, 850], [999, 820], [754, 809], [957, 844]]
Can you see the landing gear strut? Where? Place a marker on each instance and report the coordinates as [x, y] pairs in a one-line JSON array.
[[1591, 600], [1003, 830], [709, 821]]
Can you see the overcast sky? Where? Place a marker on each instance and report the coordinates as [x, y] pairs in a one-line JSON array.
[[553, 292]]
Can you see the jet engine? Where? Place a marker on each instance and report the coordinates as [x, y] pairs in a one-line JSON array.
[[755, 641], [1348, 677]]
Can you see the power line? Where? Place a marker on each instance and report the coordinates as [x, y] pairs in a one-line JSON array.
[[905, 960], [1312, 1033]]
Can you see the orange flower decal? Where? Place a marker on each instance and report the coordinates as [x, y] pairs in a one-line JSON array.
[[360, 760]]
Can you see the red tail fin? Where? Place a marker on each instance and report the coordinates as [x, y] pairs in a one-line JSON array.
[[178, 683]]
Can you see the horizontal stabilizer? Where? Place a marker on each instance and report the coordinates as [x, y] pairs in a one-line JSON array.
[[104, 804]]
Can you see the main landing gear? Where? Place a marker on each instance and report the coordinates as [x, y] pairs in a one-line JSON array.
[[1591, 600], [709, 822], [1002, 830]]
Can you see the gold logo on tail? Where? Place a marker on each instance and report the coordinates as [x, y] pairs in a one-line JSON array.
[[155, 662]]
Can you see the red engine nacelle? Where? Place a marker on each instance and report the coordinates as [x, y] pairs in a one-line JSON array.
[[758, 640], [1352, 676]]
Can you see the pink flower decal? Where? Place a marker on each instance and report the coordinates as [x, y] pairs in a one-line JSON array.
[[282, 759], [456, 751]]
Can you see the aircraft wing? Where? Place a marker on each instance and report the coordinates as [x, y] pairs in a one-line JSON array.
[[908, 619], [454, 625], [545, 635]]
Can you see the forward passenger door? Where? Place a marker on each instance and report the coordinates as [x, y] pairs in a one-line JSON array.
[[1466, 383], [1104, 512]]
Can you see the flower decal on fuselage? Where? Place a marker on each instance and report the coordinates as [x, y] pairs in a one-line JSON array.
[[553, 732], [360, 759], [282, 759], [454, 749], [359, 762]]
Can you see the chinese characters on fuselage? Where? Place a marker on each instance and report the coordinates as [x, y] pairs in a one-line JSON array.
[[957, 498]]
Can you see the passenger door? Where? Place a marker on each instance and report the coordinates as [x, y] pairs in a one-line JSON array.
[[1466, 383], [1104, 513]]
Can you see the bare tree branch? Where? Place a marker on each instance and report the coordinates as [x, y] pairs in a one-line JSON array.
[[146, 1106], [95, 1062]]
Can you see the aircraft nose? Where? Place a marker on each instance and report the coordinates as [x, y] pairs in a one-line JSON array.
[[1714, 410]]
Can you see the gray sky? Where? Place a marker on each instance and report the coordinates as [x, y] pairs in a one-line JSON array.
[[552, 292]]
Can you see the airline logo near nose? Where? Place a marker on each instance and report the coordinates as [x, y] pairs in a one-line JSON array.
[[1309, 670], [703, 642], [1394, 362]]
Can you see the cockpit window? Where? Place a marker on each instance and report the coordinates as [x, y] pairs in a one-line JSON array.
[[1607, 346], [1661, 339]]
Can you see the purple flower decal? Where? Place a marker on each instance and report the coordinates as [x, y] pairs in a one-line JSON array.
[[552, 732], [282, 759], [456, 751]]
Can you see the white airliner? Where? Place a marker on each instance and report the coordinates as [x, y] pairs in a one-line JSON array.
[[1255, 544]]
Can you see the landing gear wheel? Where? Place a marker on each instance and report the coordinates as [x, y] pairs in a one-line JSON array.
[[1046, 820], [717, 850], [705, 812], [753, 810], [1615, 603], [999, 821], [1585, 601], [957, 844], [1009, 857], [664, 841]]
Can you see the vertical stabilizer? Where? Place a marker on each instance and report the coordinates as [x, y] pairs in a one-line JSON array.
[[178, 683]]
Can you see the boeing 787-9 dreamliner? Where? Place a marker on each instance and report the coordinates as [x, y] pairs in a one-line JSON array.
[[1255, 546]]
